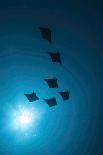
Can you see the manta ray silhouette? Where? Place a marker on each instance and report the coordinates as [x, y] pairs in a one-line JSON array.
[[51, 102], [52, 83], [46, 33], [64, 95], [55, 57], [31, 97]]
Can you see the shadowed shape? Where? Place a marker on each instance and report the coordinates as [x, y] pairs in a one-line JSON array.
[[52, 83], [51, 102], [64, 95], [46, 33], [31, 97], [55, 56]]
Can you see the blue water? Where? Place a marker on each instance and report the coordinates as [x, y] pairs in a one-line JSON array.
[[73, 127]]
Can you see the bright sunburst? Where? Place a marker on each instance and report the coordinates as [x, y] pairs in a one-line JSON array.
[[24, 118]]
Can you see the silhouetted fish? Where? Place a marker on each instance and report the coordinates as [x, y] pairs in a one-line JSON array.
[[65, 95], [46, 33], [51, 102], [55, 56], [31, 97], [52, 83]]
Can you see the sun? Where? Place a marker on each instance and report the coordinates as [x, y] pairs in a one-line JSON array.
[[24, 118]]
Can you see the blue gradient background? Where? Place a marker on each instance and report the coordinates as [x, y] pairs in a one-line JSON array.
[[71, 128]]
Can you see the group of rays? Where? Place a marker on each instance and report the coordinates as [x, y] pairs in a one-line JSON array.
[[46, 33]]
